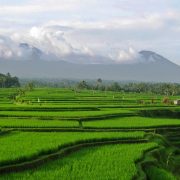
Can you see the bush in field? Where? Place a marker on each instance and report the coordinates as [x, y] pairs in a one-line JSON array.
[[140, 101], [166, 100], [82, 85], [29, 86]]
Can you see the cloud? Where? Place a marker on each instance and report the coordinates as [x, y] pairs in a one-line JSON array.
[[7, 48], [53, 41], [5, 52], [62, 39], [38, 6], [103, 28], [150, 21], [126, 56], [49, 40]]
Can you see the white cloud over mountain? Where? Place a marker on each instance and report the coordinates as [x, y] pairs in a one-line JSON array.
[[94, 28], [54, 40]]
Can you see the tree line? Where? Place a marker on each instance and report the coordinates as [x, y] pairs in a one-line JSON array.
[[7, 81], [168, 89]]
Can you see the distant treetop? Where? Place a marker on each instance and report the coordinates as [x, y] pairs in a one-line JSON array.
[[7, 81]]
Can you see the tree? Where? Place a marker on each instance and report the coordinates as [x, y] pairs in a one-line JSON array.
[[99, 80], [30, 86], [166, 100], [98, 84], [82, 85], [2, 81], [115, 87], [7, 81]]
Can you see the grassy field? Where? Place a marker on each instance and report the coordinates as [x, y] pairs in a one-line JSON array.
[[124, 122], [132, 122], [105, 162], [19, 146], [61, 115], [115, 129], [34, 123]]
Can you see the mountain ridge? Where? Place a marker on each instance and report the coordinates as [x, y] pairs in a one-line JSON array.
[[152, 67]]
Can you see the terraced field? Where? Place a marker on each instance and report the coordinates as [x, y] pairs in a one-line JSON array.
[[61, 133], [92, 163]]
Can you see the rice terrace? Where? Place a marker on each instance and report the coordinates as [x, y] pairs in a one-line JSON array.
[[60, 133], [89, 89]]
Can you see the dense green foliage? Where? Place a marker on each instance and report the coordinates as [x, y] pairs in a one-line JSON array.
[[103, 85], [7, 81], [156, 173]]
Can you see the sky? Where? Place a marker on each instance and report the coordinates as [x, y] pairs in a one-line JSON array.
[[116, 29]]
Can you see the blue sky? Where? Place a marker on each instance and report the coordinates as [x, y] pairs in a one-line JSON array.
[[116, 29]]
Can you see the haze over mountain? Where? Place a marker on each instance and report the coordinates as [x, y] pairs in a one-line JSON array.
[[142, 66], [91, 39]]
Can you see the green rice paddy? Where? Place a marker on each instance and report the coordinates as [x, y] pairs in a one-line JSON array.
[[105, 162], [92, 134]]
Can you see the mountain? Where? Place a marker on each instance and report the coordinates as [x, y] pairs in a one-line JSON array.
[[33, 51], [151, 67]]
